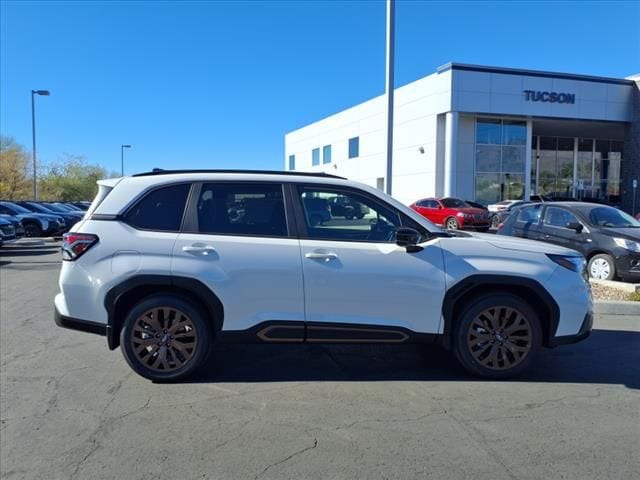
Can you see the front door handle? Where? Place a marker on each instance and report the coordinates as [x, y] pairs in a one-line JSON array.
[[326, 256], [199, 248]]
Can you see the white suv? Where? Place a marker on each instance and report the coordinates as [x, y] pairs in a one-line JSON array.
[[167, 263]]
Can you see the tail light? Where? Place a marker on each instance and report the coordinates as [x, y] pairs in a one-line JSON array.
[[74, 245]]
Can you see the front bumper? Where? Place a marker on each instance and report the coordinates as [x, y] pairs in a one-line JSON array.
[[583, 333], [628, 265]]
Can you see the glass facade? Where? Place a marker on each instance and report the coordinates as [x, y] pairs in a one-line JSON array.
[[579, 168], [500, 160]]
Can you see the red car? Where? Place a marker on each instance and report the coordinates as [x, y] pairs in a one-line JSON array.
[[453, 213]]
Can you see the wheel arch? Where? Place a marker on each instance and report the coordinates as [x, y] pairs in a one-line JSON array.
[[121, 298], [474, 286]]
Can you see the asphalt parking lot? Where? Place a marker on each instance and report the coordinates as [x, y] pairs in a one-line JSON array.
[[70, 408]]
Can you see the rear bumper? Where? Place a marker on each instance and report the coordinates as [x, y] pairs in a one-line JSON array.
[[79, 325], [583, 333]]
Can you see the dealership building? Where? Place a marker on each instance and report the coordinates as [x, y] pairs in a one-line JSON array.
[[487, 134]]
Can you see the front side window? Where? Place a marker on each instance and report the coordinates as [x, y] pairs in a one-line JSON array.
[[160, 210], [354, 147], [315, 156], [242, 209], [453, 203], [558, 217], [326, 154], [347, 216]]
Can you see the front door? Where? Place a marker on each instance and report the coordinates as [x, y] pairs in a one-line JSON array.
[[236, 241], [555, 229], [356, 278]]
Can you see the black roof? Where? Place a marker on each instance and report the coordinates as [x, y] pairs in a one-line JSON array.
[[159, 171]]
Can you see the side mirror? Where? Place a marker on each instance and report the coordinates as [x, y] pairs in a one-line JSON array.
[[408, 238], [577, 226]]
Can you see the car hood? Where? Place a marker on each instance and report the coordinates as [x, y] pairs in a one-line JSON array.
[[628, 233], [521, 244]]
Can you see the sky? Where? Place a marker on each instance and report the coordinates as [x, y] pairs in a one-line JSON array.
[[218, 84]]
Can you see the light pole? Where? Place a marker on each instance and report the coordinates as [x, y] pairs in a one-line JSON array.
[[33, 134], [391, 7], [122, 147]]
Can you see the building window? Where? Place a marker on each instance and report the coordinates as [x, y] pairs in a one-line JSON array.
[[292, 162], [315, 156], [500, 159], [326, 154], [380, 183], [354, 147]]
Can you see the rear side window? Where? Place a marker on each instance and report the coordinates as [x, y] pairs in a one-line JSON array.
[[242, 209], [529, 214], [160, 209]]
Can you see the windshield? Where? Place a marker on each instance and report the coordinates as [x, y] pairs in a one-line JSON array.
[[453, 203], [612, 217], [16, 208], [55, 208]]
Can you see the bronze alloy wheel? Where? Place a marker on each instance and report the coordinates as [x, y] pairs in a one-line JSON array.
[[163, 339], [500, 337]]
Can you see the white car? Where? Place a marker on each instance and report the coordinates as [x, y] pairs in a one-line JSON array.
[[166, 262], [501, 206]]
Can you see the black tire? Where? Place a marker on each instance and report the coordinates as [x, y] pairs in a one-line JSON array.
[[32, 230], [182, 359], [602, 267], [515, 339], [451, 223], [360, 216], [349, 216]]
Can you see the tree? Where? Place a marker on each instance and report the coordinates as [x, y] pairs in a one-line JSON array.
[[15, 170], [71, 178]]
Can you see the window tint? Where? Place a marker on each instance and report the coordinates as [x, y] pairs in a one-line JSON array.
[[558, 217], [529, 214], [242, 209], [611, 217], [428, 204], [354, 147], [347, 216], [160, 209], [453, 203]]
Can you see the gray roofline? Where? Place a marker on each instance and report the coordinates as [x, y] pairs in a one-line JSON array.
[[532, 73]]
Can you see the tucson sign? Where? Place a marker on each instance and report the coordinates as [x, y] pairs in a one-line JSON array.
[[552, 97]]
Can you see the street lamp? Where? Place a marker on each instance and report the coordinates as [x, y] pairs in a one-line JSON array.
[[122, 147], [33, 134]]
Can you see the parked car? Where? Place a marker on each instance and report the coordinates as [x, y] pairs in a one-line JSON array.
[[68, 219], [606, 236], [452, 213], [343, 206], [500, 206], [164, 275], [35, 224], [499, 217], [476, 205], [17, 224], [7, 232], [59, 208], [539, 198]]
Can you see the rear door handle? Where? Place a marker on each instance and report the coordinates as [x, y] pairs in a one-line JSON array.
[[327, 257], [199, 248]]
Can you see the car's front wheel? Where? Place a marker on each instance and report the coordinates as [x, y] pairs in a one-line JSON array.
[[452, 223], [497, 336], [32, 230], [602, 267], [165, 338]]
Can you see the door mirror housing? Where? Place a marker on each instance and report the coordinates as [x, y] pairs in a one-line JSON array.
[[409, 238], [577, 226]]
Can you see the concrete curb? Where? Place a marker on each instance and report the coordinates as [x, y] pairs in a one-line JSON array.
[[625, 287], [609, 307]]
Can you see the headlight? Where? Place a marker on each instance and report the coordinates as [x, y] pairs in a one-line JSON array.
[[574, 263], [628, 244]]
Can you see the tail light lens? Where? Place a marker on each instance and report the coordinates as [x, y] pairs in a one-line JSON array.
[[74, 245]]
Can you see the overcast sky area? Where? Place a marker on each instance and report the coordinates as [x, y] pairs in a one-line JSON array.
[[218, 84]]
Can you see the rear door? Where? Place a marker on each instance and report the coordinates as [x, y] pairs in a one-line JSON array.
[[236, 240]]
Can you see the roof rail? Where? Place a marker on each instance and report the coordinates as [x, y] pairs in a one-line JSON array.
[[159, 171]]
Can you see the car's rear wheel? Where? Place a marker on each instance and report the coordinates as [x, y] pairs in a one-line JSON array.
[[32, 230], [452, 223], [602, 267], [165, 338], [497, 336]]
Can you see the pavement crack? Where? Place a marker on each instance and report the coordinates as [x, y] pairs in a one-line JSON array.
[[294, 454]]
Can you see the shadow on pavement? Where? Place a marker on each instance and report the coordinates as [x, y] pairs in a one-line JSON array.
[[606, 357]]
